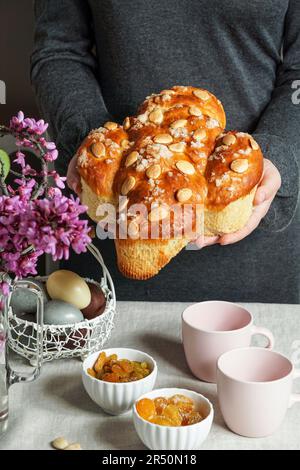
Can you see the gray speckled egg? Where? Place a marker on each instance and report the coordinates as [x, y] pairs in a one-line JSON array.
[[58, 312], [23, 301]]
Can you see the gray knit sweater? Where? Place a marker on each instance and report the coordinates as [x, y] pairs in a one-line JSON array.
[[97, 60]]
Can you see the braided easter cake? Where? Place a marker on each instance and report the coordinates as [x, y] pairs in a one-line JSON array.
[[172, 154]]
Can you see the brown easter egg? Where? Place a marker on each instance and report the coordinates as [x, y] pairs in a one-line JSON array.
[[97, 303]]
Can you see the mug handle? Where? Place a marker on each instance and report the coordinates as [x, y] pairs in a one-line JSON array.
[[260, 330], [295, 397]]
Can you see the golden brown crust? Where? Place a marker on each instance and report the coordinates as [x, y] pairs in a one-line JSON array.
[[232, 170], [142, 259], [155, 141], [174, 152], [99, 172], [146, 160]]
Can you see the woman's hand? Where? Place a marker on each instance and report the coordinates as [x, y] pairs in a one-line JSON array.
[[73, 178], [266, 191]]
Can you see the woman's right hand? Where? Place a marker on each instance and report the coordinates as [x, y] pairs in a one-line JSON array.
[[73, 178]]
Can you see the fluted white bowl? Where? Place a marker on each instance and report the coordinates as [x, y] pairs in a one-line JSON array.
[[190, 437], [118, 398]]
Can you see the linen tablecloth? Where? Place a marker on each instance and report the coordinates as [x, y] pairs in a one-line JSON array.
[[56, 404]]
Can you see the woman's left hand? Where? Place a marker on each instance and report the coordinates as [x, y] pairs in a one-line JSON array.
[[266, 191]]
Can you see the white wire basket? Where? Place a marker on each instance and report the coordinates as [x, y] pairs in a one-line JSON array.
[[71, 340]]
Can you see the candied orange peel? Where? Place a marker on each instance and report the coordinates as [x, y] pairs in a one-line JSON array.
[[112, 369], [177, 410]]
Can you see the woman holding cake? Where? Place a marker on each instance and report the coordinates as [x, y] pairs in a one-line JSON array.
[[94, 62]]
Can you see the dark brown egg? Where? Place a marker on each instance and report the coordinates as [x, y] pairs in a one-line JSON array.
[[97, 303]]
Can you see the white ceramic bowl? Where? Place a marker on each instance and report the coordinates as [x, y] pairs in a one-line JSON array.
[[189, 437], [118, 398]]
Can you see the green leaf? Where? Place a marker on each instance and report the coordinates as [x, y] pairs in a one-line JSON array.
[[4, 163]]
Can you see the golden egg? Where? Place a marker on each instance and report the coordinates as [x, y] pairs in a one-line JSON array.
[[68, 286]]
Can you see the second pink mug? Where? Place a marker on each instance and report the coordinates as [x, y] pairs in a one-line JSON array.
[[255, 390], [212, 328]]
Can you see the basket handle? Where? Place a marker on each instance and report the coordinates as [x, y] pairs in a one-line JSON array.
[[106, 274], [14, 376]]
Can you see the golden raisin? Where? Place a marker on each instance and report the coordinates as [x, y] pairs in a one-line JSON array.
[[110, 377], [91, 372], [146, 408], [114, 370], [100, 362], [118, 370], [112, 357], [126, 366]]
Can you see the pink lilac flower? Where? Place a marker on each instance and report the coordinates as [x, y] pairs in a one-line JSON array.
[[25, 187], [51, 156], [59, 180], [47, 223], [52, 152], [60, 226], [17, 122], [20, 159], [54, 192], [36, 127], [29, 171], [50, 145], [4, 287]]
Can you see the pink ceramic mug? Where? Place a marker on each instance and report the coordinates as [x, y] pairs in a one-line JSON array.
[[211, 328], [255, 390]]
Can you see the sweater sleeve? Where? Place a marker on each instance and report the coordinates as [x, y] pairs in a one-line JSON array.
[[278, 130], [64, 73]]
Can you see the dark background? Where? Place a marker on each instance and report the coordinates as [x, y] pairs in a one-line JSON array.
[[16, 42]]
